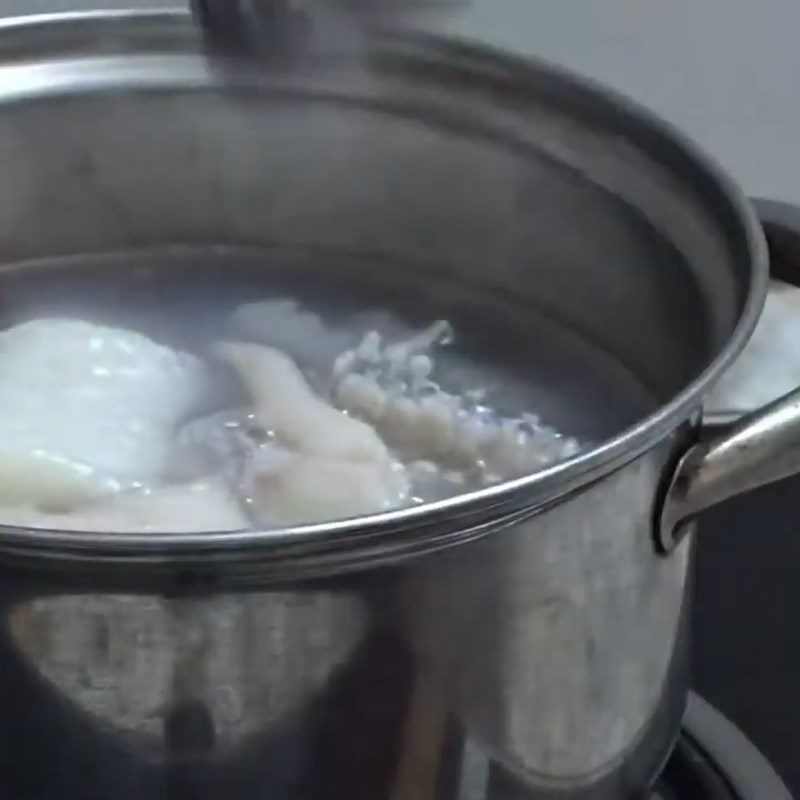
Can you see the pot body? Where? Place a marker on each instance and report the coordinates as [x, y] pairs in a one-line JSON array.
[[526, 643], [548, 657]]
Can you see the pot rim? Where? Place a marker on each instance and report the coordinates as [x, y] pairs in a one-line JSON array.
[[394, 535]]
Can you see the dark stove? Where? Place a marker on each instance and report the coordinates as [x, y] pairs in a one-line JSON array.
[[713, 760]]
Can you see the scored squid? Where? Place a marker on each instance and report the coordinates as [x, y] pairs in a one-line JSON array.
[[391, 387]]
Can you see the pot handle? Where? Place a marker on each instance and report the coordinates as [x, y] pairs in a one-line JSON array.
[[730, 459]]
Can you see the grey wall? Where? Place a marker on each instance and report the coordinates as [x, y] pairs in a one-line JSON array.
[[724, 70]]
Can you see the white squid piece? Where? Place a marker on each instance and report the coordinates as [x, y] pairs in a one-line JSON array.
[[334, 466], [309, 490], [287, 405], [86, 410], [196, 507]]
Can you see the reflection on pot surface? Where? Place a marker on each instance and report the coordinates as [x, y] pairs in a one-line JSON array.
[[388, 680], [132, 661]]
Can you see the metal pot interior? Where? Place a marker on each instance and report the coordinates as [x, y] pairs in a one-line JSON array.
[[397, 182]]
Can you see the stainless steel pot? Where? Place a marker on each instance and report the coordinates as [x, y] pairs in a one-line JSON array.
[[527, 639]]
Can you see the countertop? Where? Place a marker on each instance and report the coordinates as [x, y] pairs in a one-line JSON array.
[[723, 70]]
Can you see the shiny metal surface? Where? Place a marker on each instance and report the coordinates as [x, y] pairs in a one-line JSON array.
[[281, 26], [763, 448], [268, 25], [546, 650], [533, 623]]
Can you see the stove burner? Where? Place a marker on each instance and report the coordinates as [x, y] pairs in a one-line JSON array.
[[690, 774], [714, 761]]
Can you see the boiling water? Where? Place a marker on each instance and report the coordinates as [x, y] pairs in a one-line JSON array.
[[324, 394]]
